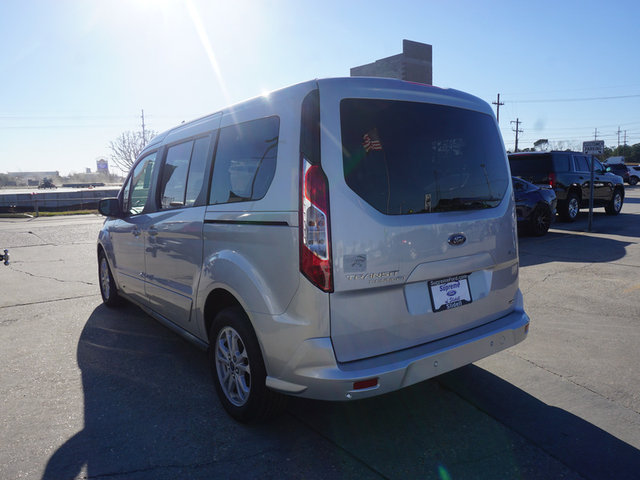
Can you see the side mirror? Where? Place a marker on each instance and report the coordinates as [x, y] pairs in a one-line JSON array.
[[110, 207]]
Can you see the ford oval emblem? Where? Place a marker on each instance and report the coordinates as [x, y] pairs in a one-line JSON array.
[[457, 239], [451, 293]]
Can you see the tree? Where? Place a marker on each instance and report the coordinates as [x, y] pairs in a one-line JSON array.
[[541, 145], [631, 153], [126, 148]]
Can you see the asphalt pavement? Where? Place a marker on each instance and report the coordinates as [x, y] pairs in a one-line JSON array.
[[90, 392]]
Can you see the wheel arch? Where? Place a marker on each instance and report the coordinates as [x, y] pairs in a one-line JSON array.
[[575, 189], [217, 300]]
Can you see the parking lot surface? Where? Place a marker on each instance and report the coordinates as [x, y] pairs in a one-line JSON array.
[[90, 392]]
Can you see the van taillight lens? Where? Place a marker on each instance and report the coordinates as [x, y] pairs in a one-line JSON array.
[[552, 180], [315, 247]]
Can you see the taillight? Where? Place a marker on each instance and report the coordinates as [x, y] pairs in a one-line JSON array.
[[315, 247], [552, 180]]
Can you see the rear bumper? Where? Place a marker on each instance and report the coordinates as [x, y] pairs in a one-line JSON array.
[[314, 372]]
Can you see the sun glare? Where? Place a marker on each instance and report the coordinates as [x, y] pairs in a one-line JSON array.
[[206, 44]]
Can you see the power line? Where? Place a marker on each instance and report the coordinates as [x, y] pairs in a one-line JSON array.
[[574, 89], [61, 117], [584, 99]]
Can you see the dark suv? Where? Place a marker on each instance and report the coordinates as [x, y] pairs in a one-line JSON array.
[[568, 173]]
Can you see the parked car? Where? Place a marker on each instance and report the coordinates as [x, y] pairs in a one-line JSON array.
[[535, 206], [619, 169], [335, 240], [569, 174], [634, 174]]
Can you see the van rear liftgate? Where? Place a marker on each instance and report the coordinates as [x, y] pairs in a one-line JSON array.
[[427, 244]]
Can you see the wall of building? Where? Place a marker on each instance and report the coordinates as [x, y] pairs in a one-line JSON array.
[[414, 64]]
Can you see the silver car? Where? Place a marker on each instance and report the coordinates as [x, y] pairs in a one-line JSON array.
[[336, 240]]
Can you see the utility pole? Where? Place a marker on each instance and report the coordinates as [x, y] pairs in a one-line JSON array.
[[618, 136], [144, 136], [517, 130], [595, 134], [625, 138], [497, 103]]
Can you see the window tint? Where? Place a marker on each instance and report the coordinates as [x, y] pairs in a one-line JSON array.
[[530, 165], [140, 185], [174, 176], [408, 157], [245, 161], [561, 163], [519, 185], [582, 165], [196, 187]]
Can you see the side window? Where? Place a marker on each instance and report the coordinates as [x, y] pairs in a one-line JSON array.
[[597, 165], [518, 185], [126, 201], [140, 185], [582, 165], [245, 161], [196, 187], [173, 184]]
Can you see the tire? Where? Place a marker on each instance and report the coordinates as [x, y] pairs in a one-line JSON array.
[[633, 180], [570, 208], [238, 369], [540, 220], [108, 288], [615, 204]]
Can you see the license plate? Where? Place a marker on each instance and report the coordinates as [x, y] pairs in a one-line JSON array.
[[448, 293]]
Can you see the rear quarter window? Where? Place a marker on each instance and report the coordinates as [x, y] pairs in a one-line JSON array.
[[561, 163], [245, 161], [530, 165], [409, 157]]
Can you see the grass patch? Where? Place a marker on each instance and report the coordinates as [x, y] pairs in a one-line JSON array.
[[49, 214], [68, 212]]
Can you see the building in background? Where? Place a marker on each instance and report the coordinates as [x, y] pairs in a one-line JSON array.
[[32, 178], [414, 64]]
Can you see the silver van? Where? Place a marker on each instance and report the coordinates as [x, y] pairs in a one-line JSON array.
[[335, 240]]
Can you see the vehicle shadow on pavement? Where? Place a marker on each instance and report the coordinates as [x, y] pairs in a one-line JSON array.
[[151, 412], [570, 247], [470, 423], [582, 446]]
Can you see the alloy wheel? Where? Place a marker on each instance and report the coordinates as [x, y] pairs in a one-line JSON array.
[[232, 365]]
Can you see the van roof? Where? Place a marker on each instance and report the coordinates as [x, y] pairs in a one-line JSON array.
[[335, 83]]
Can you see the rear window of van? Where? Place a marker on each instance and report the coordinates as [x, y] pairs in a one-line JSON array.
[[409, 157]]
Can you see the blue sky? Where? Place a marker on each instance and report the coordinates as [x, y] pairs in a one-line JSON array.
[[75, 74]]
